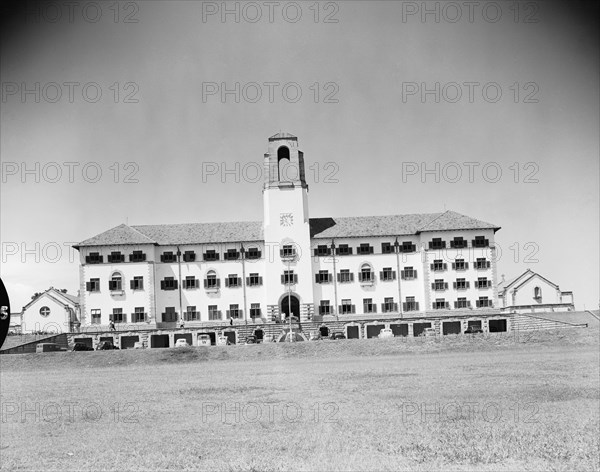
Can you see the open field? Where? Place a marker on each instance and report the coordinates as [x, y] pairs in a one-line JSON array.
[[500, 402]]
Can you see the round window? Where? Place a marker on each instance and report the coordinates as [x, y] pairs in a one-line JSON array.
[[44, 311]]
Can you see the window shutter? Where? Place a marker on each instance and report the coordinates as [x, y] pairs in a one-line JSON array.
[[453, 266], [381, 275], [87, 259], [247, 280], [350, 251], [433, 286], [415, 274], [260, 281], [110, 317], [351, 277], [281, 253], [404, 307], [239, 281], [360, 277], [162, 284], [132, 284], [337, 251], [283, 279], [88, 286], [402, 276], [454, 285], [339, 277], [370, 249], [446, 285], [316, 278], [162, 258], [488, 263], [175, 285], [316, 252], [353, 309], [130, 257], [329, 277], [205, 283], [339, 308], [431, 266], [445, 266], [218, 283], [433, 306], [393, 275], [447, 304], [295, 278], [455, 304], [227, 282]]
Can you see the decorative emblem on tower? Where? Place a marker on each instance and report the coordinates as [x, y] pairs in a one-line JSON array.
[[286, 219]]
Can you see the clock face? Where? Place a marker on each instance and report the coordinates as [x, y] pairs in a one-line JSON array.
[[286, 219]]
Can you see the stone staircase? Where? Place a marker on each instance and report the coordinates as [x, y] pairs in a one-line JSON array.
[[527, 322]]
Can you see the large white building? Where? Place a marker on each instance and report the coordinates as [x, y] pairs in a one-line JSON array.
[[325, 268]]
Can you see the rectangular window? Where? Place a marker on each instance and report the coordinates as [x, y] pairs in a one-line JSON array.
[[369, 306], [458, 243], [191, 282], [439, 285], [116, 256], [137, 283], [484, 302], [387, 274], [407, 246], [118, 316], [169, 283], [234, 311], [439, 266], [347, 308], [138, 316], [345, 276], [168, 256], [364, 248], [440, 304], [211, 255], [366, 275], [288, 251], [343, 250], [170, 315], [93, 285], [94, 258], [253, 253], [289, 278], [437, 243], [410, 304], [254, 280], [461, 303], [96, 316], [322, 250], [460, 264], [324, 307], [482, 263], [255, 310], [480, 241], [189, 256], [387, 248], [191, 314], [115, 283], [231, 255], [323, 277], [233, 281], [461, 284], [211, 281], [388, 305], [483, 282], [408, 273], [137, 256], [213, 312]]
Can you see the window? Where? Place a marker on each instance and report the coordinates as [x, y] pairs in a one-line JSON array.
[[115, 283], [211, 255], [116, 256], [94, 258], [253, 253], [387, 274], [233, 281], [408, 273], [191, 314], [137, 283], [289, 278], [96, 316], [234, 311], [93, 285], [388, 305], [189, 256], [439, 266], [191, 282], [255, 310], [170, 315], [437, 243], [343, 250], [231, 255], [211, 281], [410, 304], [480, 241], [441, 304], [137, 256], [369, 306], [168, 283], [482, 263], [407, 246], [461, 284], [484, 302], [460, 264], [458, 243], [347, 307], [366, 274], [483, 282], [364, 248], [254, 280], [324, 307], [288, 251], [462, 303], [322, 250], [323, 277], [213, 313], [138, 316], [345, 276], [387, 248], [118, 316], [537, 293], [439, 285], [168, 257], [45, 311]]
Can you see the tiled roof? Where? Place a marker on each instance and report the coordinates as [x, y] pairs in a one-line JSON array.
[[281, 135], [347, 227]]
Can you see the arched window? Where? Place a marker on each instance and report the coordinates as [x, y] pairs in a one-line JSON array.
[[283, 160], [366, 273], [116, 281], [537, 293]]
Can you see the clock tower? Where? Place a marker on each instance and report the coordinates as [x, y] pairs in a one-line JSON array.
[[289, 279]]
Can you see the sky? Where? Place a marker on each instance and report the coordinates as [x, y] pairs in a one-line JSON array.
[[156, 112]]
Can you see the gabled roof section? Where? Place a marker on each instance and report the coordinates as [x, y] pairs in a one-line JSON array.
[[62, 298], [533, 276], [450, 220], [281, 135], [116, 236], [199, 233]]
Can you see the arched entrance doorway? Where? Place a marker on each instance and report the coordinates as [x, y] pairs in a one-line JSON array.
[[285, 306]]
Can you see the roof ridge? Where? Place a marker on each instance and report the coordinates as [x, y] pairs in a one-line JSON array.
[[430, 222]]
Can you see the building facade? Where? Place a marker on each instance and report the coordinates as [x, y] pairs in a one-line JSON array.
[[52, 311], [163, 276]]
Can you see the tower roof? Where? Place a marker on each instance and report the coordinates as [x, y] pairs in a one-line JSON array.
[[283, 135]]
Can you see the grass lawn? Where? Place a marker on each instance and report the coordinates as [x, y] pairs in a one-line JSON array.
[[495, 402]]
